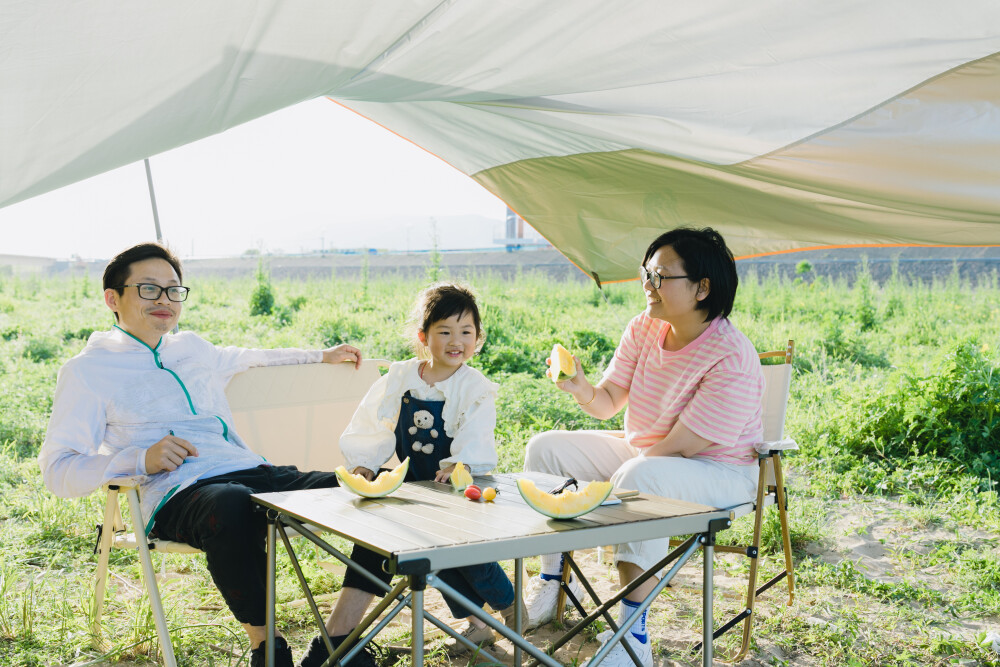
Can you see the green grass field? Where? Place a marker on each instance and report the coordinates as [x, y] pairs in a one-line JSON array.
[[895, 404]]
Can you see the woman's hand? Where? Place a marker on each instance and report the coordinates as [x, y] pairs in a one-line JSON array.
[[364, 472], [444, 474], [576, 385], [342, 353]]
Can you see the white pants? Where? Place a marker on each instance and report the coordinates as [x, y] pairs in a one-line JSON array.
[[604, 455]]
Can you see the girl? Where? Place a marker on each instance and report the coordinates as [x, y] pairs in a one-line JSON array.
[[437, 411]]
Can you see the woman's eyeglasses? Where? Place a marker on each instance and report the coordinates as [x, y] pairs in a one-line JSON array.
[[655, 279], [152, 292]]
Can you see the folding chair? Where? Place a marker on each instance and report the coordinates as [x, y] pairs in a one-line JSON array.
[[770, 491], [290, 415]]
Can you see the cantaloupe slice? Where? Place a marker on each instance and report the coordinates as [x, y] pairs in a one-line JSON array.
[[563, 366], [383, 485], [566, 505], [460, 477]]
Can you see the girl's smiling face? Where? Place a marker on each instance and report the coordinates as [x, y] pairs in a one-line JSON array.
[[451, 341]]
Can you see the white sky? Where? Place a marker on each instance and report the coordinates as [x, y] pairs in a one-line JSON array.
[[303, 177]]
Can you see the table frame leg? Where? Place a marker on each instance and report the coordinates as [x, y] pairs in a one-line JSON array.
[[270, 594], [507, 633], [393, 593], [418, 582], [518, 597], [707, 593]]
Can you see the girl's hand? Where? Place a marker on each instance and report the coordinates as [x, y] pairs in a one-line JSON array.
[[444, 474], [364, 472]]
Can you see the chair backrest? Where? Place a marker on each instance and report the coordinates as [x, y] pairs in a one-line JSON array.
[[774, 403], [294, 415]]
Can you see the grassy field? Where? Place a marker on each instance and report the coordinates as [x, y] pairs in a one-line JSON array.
[[895, 403]]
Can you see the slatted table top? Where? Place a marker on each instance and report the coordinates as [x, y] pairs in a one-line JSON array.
[[428, 526]]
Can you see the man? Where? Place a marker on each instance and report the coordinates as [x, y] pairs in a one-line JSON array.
[[141, 402]]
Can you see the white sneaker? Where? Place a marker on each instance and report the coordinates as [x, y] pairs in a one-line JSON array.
[[540, 597], [618, 657]]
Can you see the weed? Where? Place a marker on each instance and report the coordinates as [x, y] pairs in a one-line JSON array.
[[262, 297]]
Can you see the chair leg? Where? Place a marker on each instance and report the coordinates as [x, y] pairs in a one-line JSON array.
[[149, 576], [561, 598], [786, 540], [751, 599], [101, 580]]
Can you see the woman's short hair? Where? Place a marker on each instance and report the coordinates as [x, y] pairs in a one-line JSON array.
[[704, 254]]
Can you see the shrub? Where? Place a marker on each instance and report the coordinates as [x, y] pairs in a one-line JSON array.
[[952, 412], [41, 349]]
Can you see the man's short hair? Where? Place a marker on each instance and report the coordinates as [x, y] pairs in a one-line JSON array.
[[704, 254], [118, 269]]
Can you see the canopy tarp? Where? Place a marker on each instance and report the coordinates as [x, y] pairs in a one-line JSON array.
[[786, 124]]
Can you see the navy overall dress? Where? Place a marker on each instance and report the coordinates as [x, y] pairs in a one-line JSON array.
[[420, 436]]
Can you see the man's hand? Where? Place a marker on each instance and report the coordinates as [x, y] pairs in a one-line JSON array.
[[444, 474], [364, 472], [342, 353], [168, 454]]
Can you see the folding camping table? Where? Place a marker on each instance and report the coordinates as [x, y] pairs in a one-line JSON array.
[[424, 527]]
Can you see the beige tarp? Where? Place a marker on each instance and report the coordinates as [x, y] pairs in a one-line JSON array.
[[785, 124]]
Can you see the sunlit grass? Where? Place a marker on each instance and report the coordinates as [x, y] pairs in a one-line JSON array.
[[857, 348]]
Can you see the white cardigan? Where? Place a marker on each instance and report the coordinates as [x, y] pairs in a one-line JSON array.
[[470, 416]]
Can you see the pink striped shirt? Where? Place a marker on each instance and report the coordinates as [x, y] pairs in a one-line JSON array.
[[713, 385]]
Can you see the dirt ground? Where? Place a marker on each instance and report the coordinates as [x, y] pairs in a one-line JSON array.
[[877, 535]]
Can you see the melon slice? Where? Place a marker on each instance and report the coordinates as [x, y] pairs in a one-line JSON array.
[[563, 366], [566, 505], [460, 477], [383, 485]]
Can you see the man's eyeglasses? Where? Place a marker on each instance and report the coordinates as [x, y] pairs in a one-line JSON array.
[[152, 292], [655, 279]]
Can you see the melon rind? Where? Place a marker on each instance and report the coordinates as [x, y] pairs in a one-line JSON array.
[[566, 505], [563, 367], [381, 486], [460, 477]]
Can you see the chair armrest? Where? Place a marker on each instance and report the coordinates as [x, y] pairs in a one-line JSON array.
[[123, 484], [776, 445]]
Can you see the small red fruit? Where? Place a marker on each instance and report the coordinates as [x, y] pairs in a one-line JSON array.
[[472, 492]]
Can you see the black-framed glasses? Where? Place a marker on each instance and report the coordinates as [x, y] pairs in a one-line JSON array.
[[152, 292], [655, 279]]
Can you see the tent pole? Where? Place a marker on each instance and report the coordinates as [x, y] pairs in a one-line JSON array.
[[152, 200]]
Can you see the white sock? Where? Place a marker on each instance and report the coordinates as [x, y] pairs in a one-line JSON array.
[[626, 612], [552, 566]]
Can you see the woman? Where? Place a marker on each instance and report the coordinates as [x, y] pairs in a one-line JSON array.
[[692, 385]]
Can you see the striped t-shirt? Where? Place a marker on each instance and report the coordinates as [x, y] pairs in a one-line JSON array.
[[713, 385]]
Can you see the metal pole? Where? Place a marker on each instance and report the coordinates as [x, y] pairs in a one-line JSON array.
[[152, 200], [518, 597], [270, 595], [707, 591], [417, 617]]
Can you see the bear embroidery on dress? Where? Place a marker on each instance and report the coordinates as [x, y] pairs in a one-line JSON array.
[[423, 421]]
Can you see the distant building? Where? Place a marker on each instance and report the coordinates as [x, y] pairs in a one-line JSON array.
[[514, 238]]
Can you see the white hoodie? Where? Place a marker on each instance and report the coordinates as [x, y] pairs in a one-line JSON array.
[[118, 397]]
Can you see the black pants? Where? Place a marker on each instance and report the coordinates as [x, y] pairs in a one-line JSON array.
[[217, 516]]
